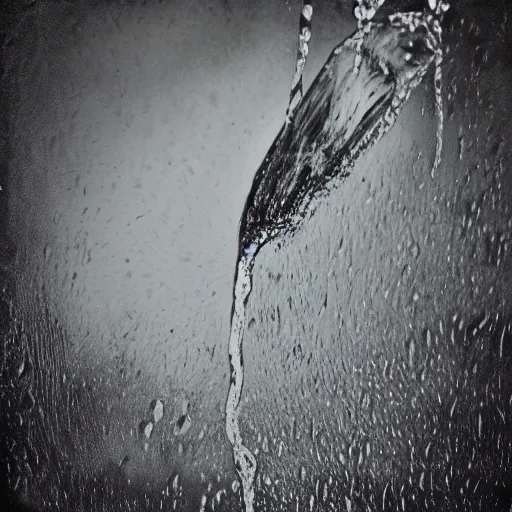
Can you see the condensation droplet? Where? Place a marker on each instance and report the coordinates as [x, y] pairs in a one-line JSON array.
[[148, 429], [158, 412]]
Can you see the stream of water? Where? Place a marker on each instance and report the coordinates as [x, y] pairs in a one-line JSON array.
[[343, 114], [245, 462]]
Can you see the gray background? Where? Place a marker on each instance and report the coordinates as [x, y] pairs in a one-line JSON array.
[[135, 131]]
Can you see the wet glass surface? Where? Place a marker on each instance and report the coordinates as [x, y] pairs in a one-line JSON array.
[[377, 336]]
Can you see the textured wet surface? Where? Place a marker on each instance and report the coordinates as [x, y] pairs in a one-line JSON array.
[[377, 340]]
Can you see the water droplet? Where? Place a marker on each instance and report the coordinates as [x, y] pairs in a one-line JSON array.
[[415, 250], [183, 425], [307, 12], [47, 252], [148, 429], [158, 411], [412, 352], [452, 409], [219, 494], [25, 366], [406, 273]]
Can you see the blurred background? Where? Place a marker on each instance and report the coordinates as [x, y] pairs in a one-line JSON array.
[[378, 341]]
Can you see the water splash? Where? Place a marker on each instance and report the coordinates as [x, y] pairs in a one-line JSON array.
[[343, 114]]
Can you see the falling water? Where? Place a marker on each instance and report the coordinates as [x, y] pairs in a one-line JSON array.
[[343, 113], [245, 461]]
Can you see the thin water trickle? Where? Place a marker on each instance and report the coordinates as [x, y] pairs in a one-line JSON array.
[[245, 462]]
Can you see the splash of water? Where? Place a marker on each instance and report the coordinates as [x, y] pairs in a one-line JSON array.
[[343, 114]]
